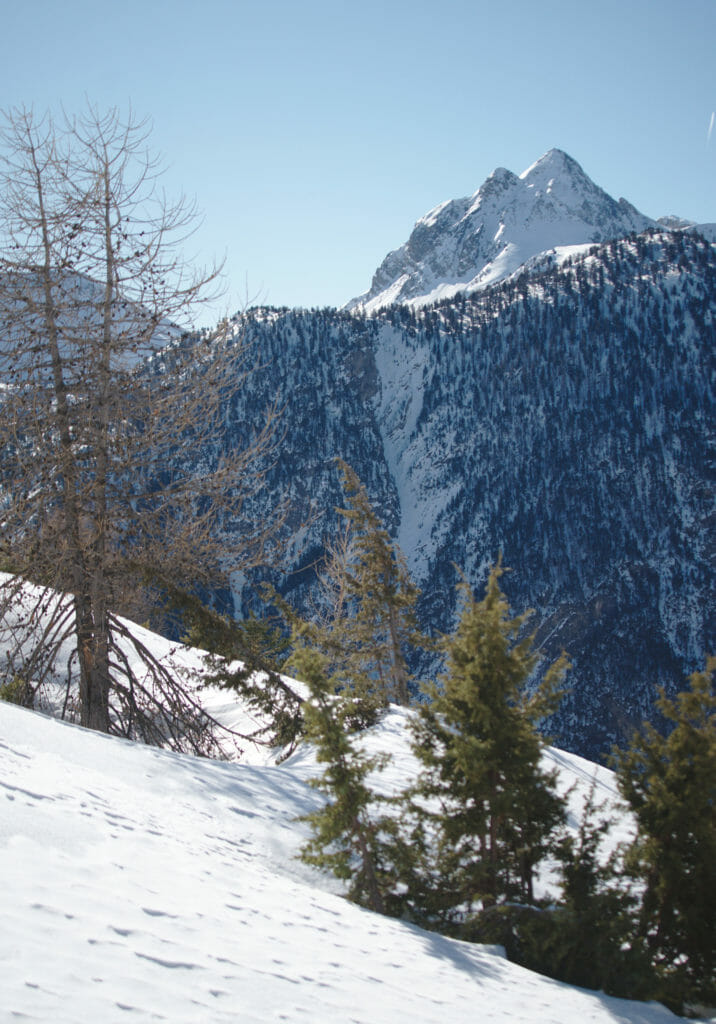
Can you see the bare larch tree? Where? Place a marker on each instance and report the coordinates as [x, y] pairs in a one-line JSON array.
[[111, 480]]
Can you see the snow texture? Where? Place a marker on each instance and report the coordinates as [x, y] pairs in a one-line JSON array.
[[142, 885]]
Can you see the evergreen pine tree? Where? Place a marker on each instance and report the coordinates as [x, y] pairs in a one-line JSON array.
[[489, 807], [347, 835], [669, 783], [366, 622], [378, 597], [246, 656], [250, 662], [587, 937]]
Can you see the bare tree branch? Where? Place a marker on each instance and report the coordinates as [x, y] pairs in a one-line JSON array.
[[111, 480]]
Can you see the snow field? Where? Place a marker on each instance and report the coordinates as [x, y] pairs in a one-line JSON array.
[[141, 885]]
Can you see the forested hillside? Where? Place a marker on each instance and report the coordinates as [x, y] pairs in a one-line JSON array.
[[563, 419]]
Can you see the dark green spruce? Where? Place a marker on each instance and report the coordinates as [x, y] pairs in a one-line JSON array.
[[669, 782], [346, 833], [486, 807]]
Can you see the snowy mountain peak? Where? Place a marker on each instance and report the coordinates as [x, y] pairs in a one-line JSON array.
[[554, 163], [499, 180], [471, 243]]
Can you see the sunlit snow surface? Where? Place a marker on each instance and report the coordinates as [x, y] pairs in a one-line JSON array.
[[140, 885]]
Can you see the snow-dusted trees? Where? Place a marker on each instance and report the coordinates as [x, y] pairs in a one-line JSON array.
[[106, 406]]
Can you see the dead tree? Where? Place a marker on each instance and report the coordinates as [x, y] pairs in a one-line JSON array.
[[111, 481]]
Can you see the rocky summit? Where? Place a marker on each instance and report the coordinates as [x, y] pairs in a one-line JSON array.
[[471, 243]]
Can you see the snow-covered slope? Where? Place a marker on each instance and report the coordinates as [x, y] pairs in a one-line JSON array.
[[471, 243], [673, 223], [708, 231], [141, 885]]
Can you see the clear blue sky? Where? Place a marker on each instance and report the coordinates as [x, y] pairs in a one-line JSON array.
[[314, 133]]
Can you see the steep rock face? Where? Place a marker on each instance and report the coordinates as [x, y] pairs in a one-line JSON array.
[[564, 419], [471, 243]]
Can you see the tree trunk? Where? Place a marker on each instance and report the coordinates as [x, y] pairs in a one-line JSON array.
[[399, 673], [375, 896]]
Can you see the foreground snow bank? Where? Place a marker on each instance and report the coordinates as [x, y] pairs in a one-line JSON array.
[[141, 885]]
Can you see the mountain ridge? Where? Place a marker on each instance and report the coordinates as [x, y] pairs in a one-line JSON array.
[[472, 243]]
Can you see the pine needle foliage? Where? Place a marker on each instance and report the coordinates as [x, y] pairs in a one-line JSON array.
[[490, 805], [587, 938], [247, 657], [669, 783], [365, 625], [347, 837], [377, 597]]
